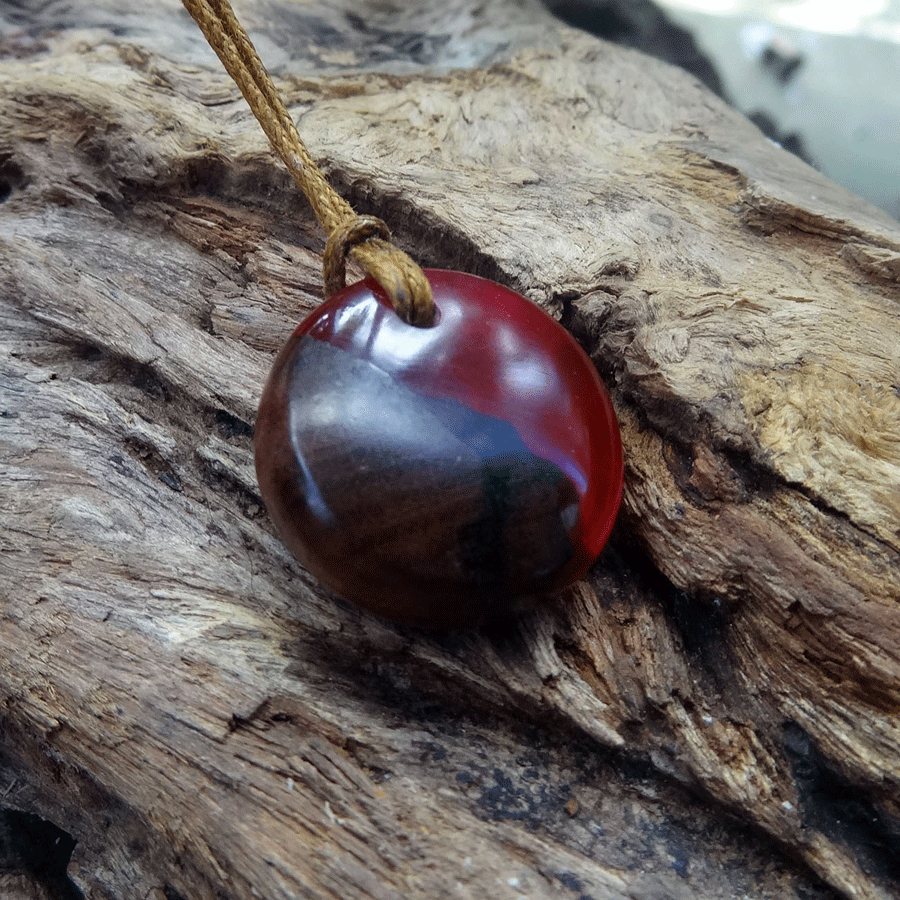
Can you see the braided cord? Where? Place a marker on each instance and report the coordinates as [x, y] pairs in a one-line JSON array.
[[402, 280]]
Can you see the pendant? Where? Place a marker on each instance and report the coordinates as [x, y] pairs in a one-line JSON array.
[[438, 476]]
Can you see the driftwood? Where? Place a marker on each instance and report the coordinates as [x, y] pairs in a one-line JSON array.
[[713, 713]]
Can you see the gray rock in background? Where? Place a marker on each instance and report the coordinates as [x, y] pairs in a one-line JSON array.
[[819, 77]]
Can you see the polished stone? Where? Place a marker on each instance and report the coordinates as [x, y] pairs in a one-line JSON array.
[[438, 476]]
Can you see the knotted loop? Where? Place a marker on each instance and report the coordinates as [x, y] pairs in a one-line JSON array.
[[341, 241], [368, 239]]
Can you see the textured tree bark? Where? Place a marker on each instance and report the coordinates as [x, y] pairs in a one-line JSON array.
[[713, 713]]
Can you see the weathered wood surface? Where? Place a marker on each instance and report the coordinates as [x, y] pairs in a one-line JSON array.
[[180, 697]]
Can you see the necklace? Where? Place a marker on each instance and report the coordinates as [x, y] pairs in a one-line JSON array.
[[430, 445]]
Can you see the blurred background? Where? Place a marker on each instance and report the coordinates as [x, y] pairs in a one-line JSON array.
[[820, 77]]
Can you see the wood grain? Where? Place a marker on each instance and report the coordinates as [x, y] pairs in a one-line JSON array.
[[717, 701]]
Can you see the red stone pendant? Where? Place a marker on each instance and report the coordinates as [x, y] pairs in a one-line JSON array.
[[438, 476]]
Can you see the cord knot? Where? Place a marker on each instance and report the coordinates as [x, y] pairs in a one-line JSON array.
[[368, 239]]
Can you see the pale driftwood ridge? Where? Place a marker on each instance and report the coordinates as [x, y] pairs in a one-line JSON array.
[[180, 697]]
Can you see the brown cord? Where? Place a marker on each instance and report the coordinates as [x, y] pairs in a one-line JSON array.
[[403, 281], [341, 241]]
